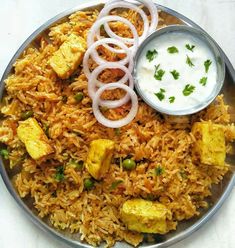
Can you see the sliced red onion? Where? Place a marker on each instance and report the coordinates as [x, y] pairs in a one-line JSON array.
[[153, 13], [118, 123], [152, 10], [93, 83], [91, 52], [105, 11], [96, 26]]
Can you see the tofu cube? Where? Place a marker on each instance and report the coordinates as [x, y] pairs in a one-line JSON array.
[[99, 157], [35, 140], [69, 56], [144, 216], [209, 147]]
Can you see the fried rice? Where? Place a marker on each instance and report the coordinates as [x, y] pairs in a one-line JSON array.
[[150, 139]]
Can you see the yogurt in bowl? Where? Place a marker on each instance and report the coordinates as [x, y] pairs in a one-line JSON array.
[[179, 70]]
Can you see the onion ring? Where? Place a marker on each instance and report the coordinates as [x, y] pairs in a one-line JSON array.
[[99, 60], [105, 11], [118, 123], [93, 83], [93, 31], [151, 6]]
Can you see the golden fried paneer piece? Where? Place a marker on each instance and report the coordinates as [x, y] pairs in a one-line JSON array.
[[209, 147], [144, 216], [99, 157], [35, 140], [69, 56]]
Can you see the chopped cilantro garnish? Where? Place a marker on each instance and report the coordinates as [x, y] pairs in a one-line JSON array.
[[4, 153], [64, 98], [172, 49], [160, 95], [203, 81], [188, 89], [88, 183], [159, 170], [171, 99], [151, 55], [189, 61], [115, 184], [183, 174], [190, 48], [117, 131], [59, 176], [159, 73], [175, 74], [207, 65]]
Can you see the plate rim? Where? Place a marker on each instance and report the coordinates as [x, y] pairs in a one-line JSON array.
[[35, 219]]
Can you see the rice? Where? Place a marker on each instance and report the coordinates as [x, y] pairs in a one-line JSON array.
[[150, 139]]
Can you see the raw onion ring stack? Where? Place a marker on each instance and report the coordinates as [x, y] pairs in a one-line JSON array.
[[94, 39]]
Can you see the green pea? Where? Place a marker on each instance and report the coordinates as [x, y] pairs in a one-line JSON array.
[[88, 183], [78, 97], [129, 164], [27, 114], [4, 153]]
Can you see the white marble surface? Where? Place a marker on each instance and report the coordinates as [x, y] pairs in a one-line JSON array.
[[18, 19]]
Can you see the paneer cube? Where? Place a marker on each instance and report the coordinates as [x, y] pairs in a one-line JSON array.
[[35, 140], [209, 147], [99, 157], [69, 56], [144, 216]]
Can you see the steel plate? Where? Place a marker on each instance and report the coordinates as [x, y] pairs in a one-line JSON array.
[[185, 228]]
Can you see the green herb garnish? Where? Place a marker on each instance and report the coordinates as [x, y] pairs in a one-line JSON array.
[[89, 183], [175, 74], [189, 61], [27, 114], [183, 174], [46, 129], [59, 176], [172, 49], [102, 27], [190, 48], [77, 164], [151, 55], [117, 131], [203, 81], [160, 95], [159, 170], [64, 98], [188, 89], [115, 184], [171, 99], [207, 65], [159, 73], [4, 153]]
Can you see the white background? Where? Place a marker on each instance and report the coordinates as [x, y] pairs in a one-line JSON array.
[[18, 19]]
